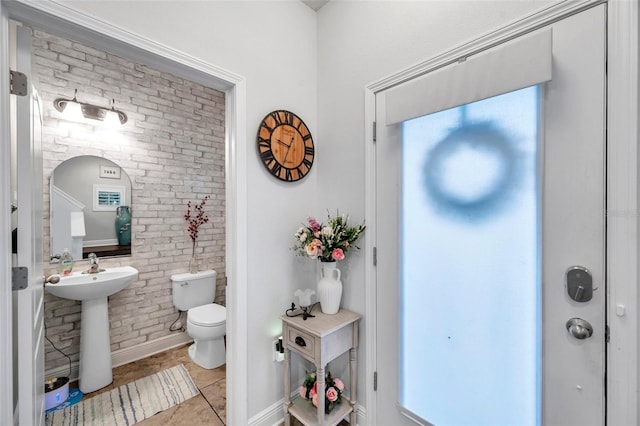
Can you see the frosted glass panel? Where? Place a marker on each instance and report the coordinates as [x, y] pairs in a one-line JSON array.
[[470, 338]]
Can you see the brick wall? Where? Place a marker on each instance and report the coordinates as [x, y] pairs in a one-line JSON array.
[[173, 150]]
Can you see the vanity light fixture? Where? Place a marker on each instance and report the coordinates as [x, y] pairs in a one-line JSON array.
[[93, 112]]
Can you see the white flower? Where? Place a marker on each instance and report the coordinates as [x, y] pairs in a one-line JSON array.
[[303, 237], [327, 231]]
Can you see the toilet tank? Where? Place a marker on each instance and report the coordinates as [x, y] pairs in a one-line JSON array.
[[191, 290]]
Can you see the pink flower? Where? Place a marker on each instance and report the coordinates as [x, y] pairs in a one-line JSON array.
[[338, 383], [314, 249], [313, 223], [337, 254], [303, 391], [314, 399], [332, 394]]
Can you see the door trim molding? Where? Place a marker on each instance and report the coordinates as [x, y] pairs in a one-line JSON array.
[[622, 212], [622, 238], [7, 410], [60, 19]]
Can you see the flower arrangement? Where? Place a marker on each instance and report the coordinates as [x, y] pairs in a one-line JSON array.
[[332, 390], [195, 217], [327, 242]]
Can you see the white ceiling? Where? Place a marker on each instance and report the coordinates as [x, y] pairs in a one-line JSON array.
[[315, 4]]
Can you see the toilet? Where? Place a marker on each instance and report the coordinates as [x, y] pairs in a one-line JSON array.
[[206, 321]]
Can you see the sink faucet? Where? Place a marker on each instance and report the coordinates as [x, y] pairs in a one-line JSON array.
[[94, 268]]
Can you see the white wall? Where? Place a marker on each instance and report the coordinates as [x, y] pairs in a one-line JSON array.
[[360, 43], [271, 44], [321, 76]]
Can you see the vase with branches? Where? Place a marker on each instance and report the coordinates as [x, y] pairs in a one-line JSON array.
[[195, 216]]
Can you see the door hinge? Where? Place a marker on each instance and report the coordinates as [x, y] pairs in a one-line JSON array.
[[606, 334], [375, 256], [375, 380], [19, 277], [18, 83], [374, 132]]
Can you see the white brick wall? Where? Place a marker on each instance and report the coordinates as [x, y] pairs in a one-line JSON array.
[[172, 148]]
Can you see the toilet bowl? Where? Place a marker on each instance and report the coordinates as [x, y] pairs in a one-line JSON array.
[[206, 324], [206, 321]]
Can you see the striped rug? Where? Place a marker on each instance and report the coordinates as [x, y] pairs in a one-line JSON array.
[[130, 403]]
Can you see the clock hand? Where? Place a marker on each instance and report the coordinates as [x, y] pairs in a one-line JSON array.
[[283, 143], [284, 160]]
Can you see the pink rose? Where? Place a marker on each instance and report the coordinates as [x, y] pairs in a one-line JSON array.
[[337, 254], [303, 391], [338, 383], [314, 249], [332, 394], [314, 399]]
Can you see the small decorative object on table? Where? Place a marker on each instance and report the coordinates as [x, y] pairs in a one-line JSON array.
[[328, 243], [304, 301], [332, 391], [195, 217]]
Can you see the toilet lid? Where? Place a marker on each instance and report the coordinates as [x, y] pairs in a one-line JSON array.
[[207, 315]]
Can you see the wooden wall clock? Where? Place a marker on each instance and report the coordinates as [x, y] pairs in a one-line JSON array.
[[285, 145]]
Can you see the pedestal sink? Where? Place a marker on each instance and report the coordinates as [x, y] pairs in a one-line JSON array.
[[95, 346]]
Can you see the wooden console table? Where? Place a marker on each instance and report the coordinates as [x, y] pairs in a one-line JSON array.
[[320, 340]]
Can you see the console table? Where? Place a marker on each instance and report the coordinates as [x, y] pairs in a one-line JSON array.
[[320, 340]]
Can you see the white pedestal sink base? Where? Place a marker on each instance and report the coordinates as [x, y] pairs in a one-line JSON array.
[[95, 346], [93, 289]]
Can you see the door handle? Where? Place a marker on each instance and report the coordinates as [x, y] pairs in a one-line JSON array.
[[579, 328]]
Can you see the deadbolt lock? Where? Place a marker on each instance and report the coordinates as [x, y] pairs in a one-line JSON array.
[[579, 284]]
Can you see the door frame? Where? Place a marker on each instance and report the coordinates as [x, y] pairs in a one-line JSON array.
[[622, 191], [59, 19]]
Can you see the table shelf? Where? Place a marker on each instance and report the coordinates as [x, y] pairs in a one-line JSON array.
[[320, 340], [306, 413]]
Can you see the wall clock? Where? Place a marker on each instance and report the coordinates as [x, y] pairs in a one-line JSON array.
[[285, 146]]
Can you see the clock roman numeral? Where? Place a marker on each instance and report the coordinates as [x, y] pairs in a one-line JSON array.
[[307, 162], [308, 150], [287, 174], [307, 137], [276, 169], [267, 156], [266, 126], [264, 143], [277, 119], [288, 117], [300, 171]]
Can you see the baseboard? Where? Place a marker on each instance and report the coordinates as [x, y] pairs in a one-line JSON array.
[[127, 355], [274, 415], [270, 416], [143, 350]]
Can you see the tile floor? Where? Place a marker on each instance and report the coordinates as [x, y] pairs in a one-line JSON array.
[[207, 408]]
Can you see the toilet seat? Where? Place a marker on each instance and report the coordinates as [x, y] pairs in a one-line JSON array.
[[209, 315]]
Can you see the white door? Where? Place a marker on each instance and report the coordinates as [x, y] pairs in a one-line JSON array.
[[30, 301], [482, 212]]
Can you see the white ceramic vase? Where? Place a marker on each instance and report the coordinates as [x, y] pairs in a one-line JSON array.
[[329, 288]]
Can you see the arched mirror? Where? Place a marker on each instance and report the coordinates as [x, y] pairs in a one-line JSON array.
[[90, 201]]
